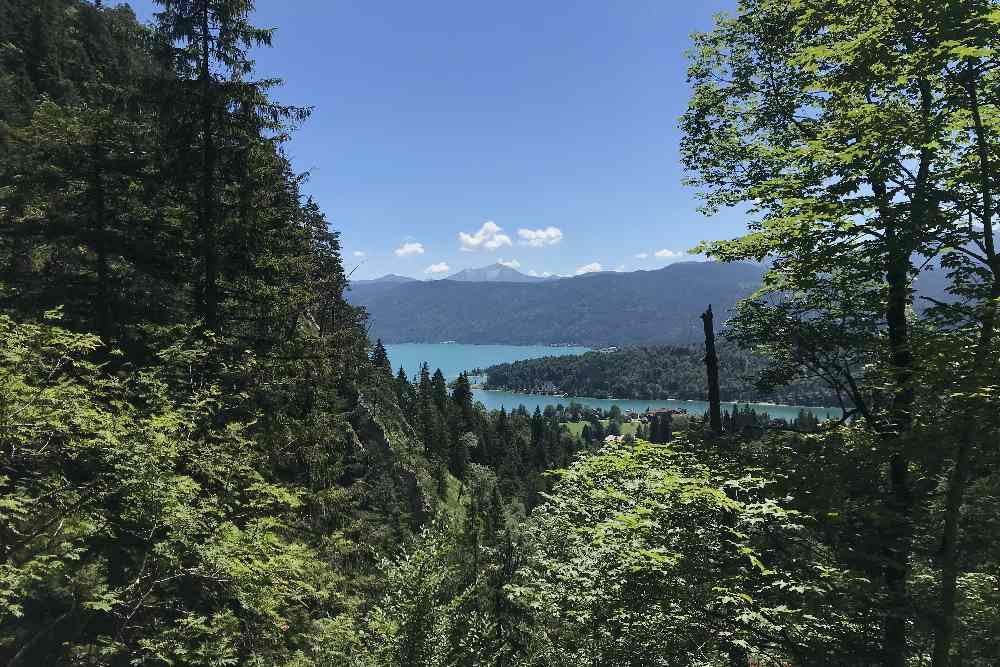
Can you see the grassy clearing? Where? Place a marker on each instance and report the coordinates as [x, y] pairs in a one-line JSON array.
[[576, 428]]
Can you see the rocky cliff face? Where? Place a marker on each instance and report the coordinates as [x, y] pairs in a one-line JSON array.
[[395, 467]]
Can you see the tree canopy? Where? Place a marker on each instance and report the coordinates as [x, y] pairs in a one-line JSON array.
[[204, 460]]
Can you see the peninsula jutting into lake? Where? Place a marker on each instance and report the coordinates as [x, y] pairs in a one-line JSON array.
[[454, 359]]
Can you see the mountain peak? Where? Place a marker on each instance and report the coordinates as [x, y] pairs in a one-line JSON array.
[[389, 278], [494, 273], [659, 306]]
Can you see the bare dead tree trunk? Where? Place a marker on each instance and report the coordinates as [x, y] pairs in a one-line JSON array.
[[712, 368]]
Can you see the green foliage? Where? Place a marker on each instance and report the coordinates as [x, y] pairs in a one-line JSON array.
[[130, 509], [203, 461], [658, 372], [642, 555], [446, 603], [862, 136], [175, 493]]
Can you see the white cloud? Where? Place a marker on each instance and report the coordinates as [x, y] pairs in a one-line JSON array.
[[538, 238], [359, 253], [536, 274], [410, 248], [642, 255], [621, 267], [510, 264], [593, 267], [664, 254], [487, 238], [440, 267]]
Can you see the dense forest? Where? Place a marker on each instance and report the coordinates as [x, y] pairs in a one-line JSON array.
[[196, 460], [654, 372], [205, 461]]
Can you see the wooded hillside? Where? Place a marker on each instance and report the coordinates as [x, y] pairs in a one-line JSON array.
[[655, 372], [204, 460]]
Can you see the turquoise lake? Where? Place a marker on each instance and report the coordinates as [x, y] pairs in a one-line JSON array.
[[453, 358]]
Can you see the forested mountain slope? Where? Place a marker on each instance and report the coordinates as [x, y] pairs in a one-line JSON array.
[[204, 461], [636, 308], [196, 456]]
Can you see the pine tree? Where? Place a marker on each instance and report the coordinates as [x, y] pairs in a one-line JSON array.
[[462, 398], [206, 43], [461, 453], [405, 394], [380, 359], [424, 383], [439, 391], [70, 216]]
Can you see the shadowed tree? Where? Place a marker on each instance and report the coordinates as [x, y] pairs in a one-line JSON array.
[[850, 159]]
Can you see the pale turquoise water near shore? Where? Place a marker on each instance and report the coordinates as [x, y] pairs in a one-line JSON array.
[[453, 358]]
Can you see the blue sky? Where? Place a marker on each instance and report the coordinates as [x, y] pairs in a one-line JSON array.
[[453, 134]]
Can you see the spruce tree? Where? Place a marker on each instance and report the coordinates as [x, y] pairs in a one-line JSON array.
[[405, 394], [439, 391], [206, 43], [462, 398], [461, 453], [380, 358]]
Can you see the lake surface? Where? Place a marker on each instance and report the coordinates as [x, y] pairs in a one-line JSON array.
[[453, 358]]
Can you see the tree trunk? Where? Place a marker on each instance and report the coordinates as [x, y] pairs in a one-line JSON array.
[[103, 297], [955, 495], [897, 532], [712, 368], [210, 297], [958, 481]]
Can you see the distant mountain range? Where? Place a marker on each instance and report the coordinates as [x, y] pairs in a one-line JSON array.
[[493, 306], [494, 273], [497, 304]]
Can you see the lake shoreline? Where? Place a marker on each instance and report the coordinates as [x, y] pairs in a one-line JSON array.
[[494, 400], [639, 400], [456, 358]]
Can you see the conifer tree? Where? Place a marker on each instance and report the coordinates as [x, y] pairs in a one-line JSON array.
[[439, 392], [460, 453], [462, 397], [206, 43], [380, 358], [405, 394], [73, 169]]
